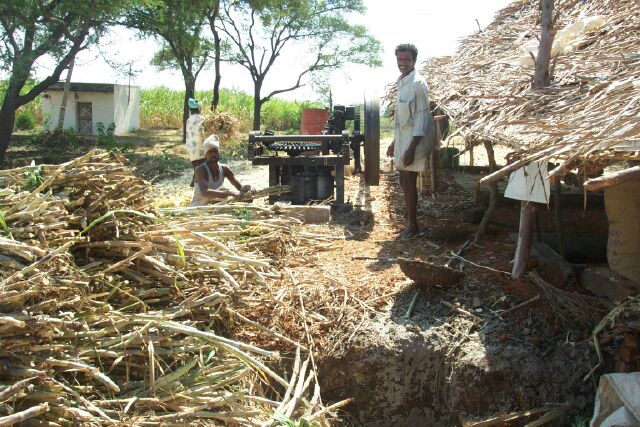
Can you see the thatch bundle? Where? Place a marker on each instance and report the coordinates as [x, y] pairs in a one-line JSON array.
[[223, 124], [112, 316]]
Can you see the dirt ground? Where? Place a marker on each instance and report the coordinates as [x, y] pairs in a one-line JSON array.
[[436, 366], [485, 346]]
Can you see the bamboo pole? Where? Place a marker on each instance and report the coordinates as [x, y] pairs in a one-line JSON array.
[[493, 194]]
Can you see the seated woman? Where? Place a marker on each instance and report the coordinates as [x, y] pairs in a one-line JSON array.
[[210, 176]]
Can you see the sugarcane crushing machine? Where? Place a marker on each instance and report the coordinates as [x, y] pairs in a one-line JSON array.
[[314, 164]]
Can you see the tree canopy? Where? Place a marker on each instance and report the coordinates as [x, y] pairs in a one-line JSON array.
[[179, 25], [259, 31], [32, 29]]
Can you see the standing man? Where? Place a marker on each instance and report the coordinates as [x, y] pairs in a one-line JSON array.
[[195, 136], [415, 132]]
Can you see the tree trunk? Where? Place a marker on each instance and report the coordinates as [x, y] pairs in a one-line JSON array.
[[216, 43], [542, 76], [257, 105], [21, 68], [216, 84], [8, 118], [190, 92], [65, 96]]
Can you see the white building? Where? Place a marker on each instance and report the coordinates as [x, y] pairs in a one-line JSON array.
[[91, 103]]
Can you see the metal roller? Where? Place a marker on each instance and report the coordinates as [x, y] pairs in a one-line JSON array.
[[372, 140]]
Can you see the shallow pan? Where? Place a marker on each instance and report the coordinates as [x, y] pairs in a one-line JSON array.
[[425, 273]]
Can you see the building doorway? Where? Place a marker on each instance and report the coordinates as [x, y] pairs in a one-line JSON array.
[[84, 113]]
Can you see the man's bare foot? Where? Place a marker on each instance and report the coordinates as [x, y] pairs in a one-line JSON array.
[[408, 233]]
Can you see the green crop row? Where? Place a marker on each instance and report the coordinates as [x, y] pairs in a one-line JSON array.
[[161, 107]]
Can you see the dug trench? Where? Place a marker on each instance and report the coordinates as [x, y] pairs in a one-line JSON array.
[[430, 370], [488, 345]]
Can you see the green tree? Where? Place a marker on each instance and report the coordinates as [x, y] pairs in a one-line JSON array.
[[179, 25], [259, 30], [214, 14], [32, 29]]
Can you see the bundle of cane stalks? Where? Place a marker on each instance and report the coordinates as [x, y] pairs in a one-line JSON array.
[[114, 314]]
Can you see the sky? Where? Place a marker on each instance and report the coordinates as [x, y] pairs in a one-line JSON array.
[[435, 27]]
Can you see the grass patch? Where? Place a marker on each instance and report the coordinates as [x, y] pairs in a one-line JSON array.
[[33, 180], [158, 166]]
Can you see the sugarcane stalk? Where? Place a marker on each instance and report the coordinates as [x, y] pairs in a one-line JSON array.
[[21, 416], [7, 392], [36, 264], [125, 257], [91, 370], [12, 322], [209, 336]]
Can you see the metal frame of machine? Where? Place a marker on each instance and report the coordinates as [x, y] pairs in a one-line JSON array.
[[311, 163]]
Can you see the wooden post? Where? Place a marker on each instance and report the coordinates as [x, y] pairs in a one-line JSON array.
[[493, 194], [557, 215], [542, 77], [65, 95], [525, 236]]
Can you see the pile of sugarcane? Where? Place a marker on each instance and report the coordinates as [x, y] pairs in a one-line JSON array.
[[112, 314]]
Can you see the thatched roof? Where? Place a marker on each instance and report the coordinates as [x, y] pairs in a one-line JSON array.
[[590, 112]]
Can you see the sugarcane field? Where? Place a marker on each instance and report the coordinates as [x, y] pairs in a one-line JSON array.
[[452, 240]]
